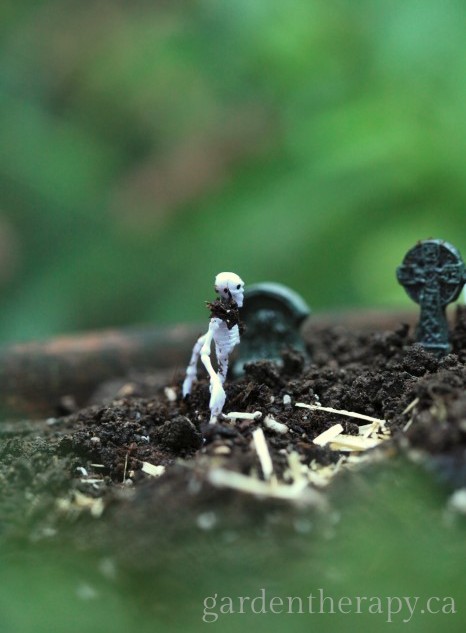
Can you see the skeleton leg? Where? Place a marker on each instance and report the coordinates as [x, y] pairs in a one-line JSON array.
[[217, 393], [217, 399], [191, 372]]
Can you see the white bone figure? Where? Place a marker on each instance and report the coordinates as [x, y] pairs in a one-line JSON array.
[[230, 288]]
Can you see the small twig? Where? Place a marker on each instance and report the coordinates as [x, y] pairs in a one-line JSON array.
[[126, 467], [407, 426], [409, 408]]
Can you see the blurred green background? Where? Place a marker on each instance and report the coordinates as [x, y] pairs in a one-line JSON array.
[[147, 145]]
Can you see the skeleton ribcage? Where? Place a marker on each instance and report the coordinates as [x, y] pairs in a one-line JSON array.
[[225, 339]]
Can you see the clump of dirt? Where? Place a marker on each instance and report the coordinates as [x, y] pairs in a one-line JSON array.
[[98, 463], [227, 310]]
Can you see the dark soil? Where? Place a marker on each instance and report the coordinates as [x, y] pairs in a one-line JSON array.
[[82, 473]]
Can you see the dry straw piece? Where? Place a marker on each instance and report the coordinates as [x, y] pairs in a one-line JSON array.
[[299, 492], [328, 435], [274, 425], [153, 471], [262, 451], [238, 415], [349, 414]]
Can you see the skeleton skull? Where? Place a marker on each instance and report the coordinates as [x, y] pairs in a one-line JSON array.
[[230, 285]]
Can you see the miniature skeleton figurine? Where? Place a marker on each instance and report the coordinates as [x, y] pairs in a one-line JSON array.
[[224, 330]]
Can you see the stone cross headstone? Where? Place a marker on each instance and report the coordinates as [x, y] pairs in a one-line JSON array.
[[433, 274], [272, 314]]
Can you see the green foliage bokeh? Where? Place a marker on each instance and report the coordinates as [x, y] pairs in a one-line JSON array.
[[145, 146]]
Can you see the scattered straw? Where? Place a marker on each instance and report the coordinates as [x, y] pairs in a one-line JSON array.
[[407, 426], [411, 406], [238, 415], [328, 435], [349, 414], [374, 429], [153, 471], [354, 443], [92, 481], [223, 449], [80, 502], [262, 451], [170, 394], [296, 467], [126, 467], [299, 492], [274, 425]]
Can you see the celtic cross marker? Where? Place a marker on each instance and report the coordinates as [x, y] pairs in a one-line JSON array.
[[433, 274]]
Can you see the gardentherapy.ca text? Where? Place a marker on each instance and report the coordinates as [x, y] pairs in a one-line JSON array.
[[399, 608]]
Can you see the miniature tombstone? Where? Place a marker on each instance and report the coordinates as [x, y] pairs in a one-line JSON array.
[[433, 275], [272, 315]]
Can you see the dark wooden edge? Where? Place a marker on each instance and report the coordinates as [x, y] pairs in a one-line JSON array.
[[34, 377]]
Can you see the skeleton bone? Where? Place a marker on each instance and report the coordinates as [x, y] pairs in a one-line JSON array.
[[230, 288]]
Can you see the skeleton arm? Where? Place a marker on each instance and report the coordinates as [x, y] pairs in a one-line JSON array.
[[206, 350], [191, 372]]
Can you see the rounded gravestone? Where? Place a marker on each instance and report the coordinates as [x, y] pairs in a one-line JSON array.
[[272, 314]]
